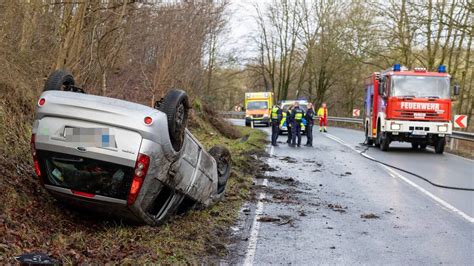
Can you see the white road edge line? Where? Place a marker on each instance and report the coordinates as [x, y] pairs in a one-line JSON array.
[[252, 247], [422, 190]]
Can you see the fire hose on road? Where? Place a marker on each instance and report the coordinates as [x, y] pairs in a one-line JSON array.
[[367, 147]]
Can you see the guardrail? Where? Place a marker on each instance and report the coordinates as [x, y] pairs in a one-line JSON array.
[[456, 134]]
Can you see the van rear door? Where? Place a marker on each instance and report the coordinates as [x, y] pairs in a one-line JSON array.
[[88, 139], [87, 157]]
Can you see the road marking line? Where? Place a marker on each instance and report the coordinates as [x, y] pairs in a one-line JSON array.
[[422, 190], [252, 247], [429, 194]]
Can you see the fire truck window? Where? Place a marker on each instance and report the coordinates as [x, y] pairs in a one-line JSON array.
[[386, 90], [420, 87]]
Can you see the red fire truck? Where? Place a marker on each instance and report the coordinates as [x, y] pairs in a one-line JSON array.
[[409, 106]]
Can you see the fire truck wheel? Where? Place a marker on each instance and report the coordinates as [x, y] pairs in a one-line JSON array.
[[439, 145], [384, 142], [368, 141], [378, 137]]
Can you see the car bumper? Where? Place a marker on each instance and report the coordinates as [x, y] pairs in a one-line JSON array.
[[418, 128], [99, 204], [285, 129], [263, 120]]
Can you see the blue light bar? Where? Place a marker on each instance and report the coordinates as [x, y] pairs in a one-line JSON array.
[[442, 69], [397, 67]]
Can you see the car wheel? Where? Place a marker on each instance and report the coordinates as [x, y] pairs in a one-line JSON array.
[[423, 146], [59, 80], [176, 107], [415, 146], [223, 159]]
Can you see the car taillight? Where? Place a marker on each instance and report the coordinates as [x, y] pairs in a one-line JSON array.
[[148, 120], [41, 101], [82, 194], [141, 169], [35, 156]]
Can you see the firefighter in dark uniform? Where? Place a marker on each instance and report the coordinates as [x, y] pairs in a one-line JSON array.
[[296, 117], [309, 116], [276, 119], [288, 124]]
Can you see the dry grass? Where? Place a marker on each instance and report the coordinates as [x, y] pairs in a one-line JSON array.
[[208, 114]]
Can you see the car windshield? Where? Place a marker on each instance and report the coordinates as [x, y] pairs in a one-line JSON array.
[[420, 87], [256, 105], [303, 106]]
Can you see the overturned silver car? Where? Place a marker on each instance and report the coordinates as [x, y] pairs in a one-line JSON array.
[[122, 158]]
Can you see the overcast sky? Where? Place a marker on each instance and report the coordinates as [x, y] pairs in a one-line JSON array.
[[241, 27]]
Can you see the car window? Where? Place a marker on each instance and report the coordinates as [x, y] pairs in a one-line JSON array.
[[87, 175]]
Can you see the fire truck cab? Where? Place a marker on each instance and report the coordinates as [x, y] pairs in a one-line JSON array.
[[408, 106]]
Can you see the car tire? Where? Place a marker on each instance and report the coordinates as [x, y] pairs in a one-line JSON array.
[[439, 145], [423, 147], [59, 80], [415, 146], [223, 159], [176, 107]]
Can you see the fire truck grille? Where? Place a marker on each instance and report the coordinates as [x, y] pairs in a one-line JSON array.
[[402, 114]]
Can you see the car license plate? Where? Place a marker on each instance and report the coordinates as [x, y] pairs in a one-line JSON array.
[[419, 133], [89, 137]]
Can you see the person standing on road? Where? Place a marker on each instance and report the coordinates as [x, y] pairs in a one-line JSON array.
[[288, 124], [276, 119], [296, 117], [323, 118], [309, 116]]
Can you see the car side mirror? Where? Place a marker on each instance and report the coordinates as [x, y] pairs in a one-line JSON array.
[[456, 89]]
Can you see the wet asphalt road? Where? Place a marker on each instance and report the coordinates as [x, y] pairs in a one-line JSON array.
[[330, 205]]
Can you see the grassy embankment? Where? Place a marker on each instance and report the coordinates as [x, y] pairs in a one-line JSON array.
[[32, 221]]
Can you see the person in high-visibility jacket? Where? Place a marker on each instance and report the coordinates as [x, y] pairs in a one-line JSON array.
[[297, 115], [276, 119], [323, 118]]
